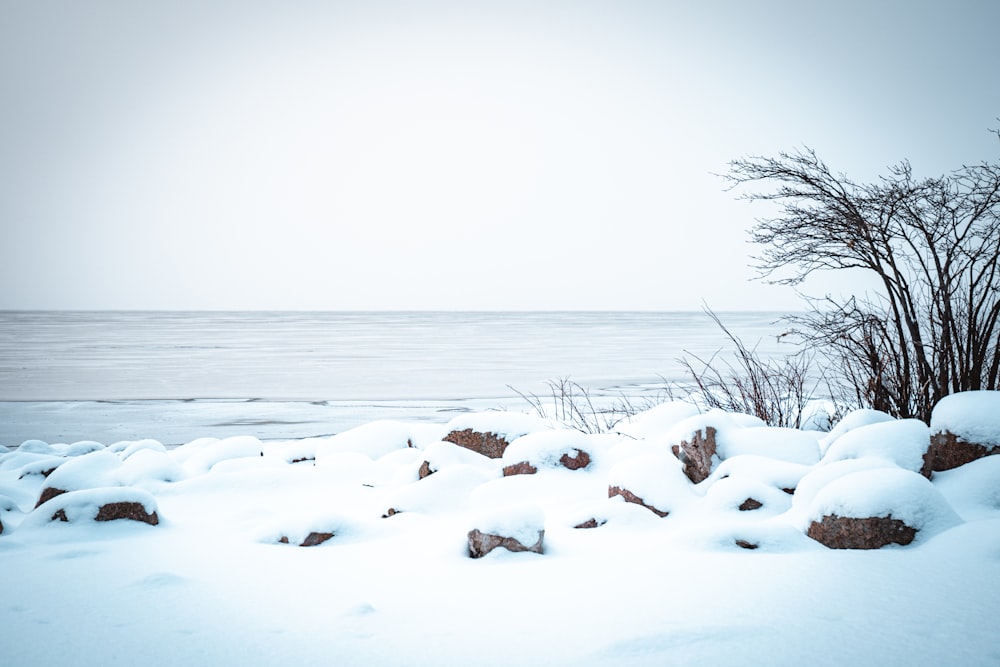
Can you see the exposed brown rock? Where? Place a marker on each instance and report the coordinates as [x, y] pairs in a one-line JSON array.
[[392, 511], [488, 444], [632, 498], [948, 451], [579, 460], [520, 468], [130, 510], [303, 459], [59, 516], [696, 455], [839, 532], [48, 493], [790, 491], [481, 543], [312, 539], [590, 523], [425, 470], [744, 544], [750, 504]]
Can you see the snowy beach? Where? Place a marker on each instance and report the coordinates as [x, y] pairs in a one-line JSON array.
[[694, 575]]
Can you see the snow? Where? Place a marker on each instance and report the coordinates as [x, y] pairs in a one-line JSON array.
[[974, 416], [211, 584], [904, 442]]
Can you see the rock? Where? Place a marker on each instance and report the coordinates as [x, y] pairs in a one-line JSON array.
[[840, 532], [520, 468], [392, 511], [948, 451], [696, 454], [577, 461], [312, 539], [632, 498], [425, 470], [744, 544], [132, 511], [750, 504], [591, 523], [481, 543], [488, 443], [48, 493]]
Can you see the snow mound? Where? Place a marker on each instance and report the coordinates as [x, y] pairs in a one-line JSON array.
[[973, 489], [147, 464], [746, 497], [447, 490], [92, 470], [544, 449], [657, 479], [776, 473], [658, 422], [507, 425], [852, 420], [886, 492], [207, 454], [813, 482], [974, 416], [904, 442], [441, 455], [374, 439], [783, 444], [127, 448]]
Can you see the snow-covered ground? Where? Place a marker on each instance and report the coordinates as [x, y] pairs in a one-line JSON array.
[[213, 584]]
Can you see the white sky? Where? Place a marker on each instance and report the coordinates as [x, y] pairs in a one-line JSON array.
[[449, 155]]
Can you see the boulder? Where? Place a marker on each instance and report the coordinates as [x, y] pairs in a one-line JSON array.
[[948, 450], [48, 493], [750, 504], [481, 543], [591, 523], [842, 532], [632, 498], [425, 470], [965, 426], [486, 443], [311, 540], [696, 452], [132, 511], [520, 468]]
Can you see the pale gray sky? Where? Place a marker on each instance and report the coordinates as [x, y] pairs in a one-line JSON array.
[[449, 155]]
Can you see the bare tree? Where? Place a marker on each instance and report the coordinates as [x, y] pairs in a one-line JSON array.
[[933, 244]]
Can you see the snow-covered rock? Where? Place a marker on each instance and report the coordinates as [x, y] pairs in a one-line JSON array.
[[656, 482], [964, 427], [520, 528], [870, 509]]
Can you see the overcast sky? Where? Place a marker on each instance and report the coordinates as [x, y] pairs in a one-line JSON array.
[[449, 155]]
